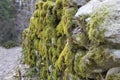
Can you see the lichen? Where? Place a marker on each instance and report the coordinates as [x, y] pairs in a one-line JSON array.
[[95, 33]]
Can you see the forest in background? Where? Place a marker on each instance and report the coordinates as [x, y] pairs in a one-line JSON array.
[[7, 15]]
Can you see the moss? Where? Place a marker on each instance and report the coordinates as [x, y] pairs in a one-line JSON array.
[[68, 3], [95, 33], [39, 4], [113, 77], [66, 21], [97, 57], [46, 42], [64, 57], [50, 46], [81, 39], [77, 63], [58, 8], [31, 72]]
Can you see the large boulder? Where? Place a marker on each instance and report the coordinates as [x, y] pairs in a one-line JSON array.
[[66, 48], [113, 74], [102, 27], [111, 23], [88, 8]]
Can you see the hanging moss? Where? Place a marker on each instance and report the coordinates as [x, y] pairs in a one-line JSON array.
[[77, 62], [41, 44], [64, 57], [49, 45], [66, 21]]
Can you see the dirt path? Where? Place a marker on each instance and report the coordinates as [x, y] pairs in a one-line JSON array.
[[9, 60]]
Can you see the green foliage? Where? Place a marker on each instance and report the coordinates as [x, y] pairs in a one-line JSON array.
[[7, 13], [10, 44], [78, 65], [31, 72]]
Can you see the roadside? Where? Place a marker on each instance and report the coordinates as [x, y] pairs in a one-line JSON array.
[[9, 60]]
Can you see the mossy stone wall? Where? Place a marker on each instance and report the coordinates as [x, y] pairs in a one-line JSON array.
[[52, 46]]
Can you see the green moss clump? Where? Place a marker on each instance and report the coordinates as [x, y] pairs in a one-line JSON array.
[[78, 67], [66, 21], [48, 42], [10, 44], [95, 33], [113, 77], [65, 57], [44, 41]]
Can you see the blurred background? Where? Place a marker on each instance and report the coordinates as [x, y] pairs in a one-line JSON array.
[[14, 17]]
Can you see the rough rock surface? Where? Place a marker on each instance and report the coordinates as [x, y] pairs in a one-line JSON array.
[[113, 74], [88, 8], [9, 60], [80, 2], [112, 23]]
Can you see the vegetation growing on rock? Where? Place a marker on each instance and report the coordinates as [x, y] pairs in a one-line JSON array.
[[95, 33], [46, 42], [60, 49]]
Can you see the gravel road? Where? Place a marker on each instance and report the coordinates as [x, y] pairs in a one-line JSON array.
[[9, 60]]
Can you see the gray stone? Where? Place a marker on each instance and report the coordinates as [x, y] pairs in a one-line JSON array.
[[116, 53], [80, 2], [113, 73], [112, 23], [100, 60], [88, 8]]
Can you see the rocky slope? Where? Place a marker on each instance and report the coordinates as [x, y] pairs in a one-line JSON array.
[[74, 40]]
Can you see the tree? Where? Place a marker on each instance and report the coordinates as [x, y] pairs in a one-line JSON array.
[[7, 14]]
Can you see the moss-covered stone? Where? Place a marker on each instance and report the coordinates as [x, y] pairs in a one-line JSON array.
[[95, 33], [64, 50], [45, 41]]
